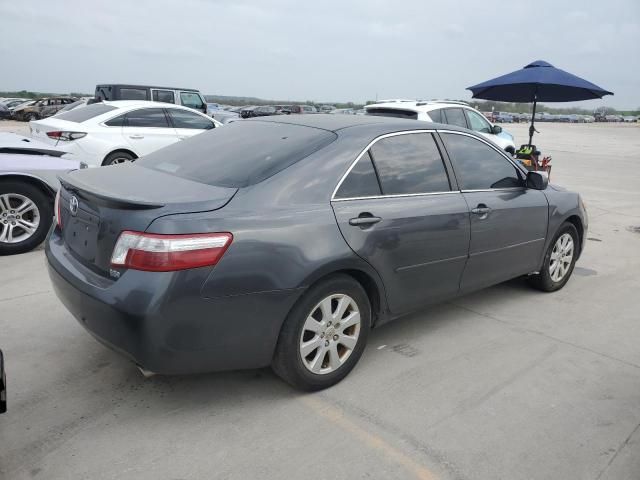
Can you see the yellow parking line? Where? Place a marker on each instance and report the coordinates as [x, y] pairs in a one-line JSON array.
[[336, 416]]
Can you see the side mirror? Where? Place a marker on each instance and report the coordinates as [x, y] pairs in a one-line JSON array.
[[496, 129], [537, 180]]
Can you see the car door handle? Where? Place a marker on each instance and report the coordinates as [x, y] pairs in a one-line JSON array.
[[481, 210], [364, 220], [136, 137]]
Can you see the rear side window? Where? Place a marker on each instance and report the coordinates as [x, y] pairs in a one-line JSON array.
[[133, 94], [185, 119], [409, 164], [83, 114], [240, 154], [478, 166], [455, 116], [118, 121], [436, 116], [362, 180], [165, 96], [147, 117]]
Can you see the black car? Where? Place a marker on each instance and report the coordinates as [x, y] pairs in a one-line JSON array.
[[3, 385], [283, 240]]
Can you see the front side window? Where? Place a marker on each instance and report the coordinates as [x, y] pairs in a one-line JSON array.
[[409, 164], [477, 122], [191, 100], [478, 166], [165, 96], [362, 180], [455, 116], [185, 119], [147, 117], [133, 94]]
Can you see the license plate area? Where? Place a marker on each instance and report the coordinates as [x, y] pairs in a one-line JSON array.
[[81, 234]]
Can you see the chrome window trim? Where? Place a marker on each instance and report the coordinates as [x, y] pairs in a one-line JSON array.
[[366, 149], [397, 195], [497, 149]]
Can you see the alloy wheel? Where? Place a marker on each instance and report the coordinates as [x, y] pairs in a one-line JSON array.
[[19, 218], [561, 257], [330, 334]]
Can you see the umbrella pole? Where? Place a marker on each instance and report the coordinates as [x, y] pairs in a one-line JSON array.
[[533, 118]]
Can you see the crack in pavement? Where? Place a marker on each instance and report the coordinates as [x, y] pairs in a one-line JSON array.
[[622, 445]]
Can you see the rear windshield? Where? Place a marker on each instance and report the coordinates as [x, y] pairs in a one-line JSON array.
[[392, 112], [82, 114], [239, 154]]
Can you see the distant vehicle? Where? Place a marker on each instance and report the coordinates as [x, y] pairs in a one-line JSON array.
[[28, 184], [629, 119], [588, 118], [78, 103], [326, 108], [266, 110], [301, 109], [11, 103], [5, 113], [452, 113], [109, 133], [42, 108], [247, 112], [188, 97], [613, 118], [20, 105], [502, 117]]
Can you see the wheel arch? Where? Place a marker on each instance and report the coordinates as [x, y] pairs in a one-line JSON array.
[[125, 150], [40, 184], [576, 221]]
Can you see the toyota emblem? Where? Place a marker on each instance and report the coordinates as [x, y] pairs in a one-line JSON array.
[[73, 205]]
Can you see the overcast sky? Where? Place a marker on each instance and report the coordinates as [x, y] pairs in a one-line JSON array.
[[322, 51]]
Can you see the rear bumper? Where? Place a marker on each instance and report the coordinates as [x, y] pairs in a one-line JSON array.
[[161, 321]]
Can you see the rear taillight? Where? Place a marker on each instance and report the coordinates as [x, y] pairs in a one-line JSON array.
[[58, 211], [66, 136], [165, 253]]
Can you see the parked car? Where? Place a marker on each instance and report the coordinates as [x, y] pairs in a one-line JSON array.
[[78, 103], [108, 133], [452, 113], [283, 240], [28, 184], [188, 97], [247, 111], [629, 119], [5, 113], [3, 385], [42, 108], [502, 117], [14, 102], [300, 109]]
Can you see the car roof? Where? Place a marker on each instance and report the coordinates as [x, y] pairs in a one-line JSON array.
[[142, 103], [127, 85], [335, 123], [418, 105]]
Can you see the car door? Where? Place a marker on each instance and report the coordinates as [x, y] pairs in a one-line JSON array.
[[454, 116], [147, 130], [479, 124], [165, 96], [398, 209], [188, 124], [508, 220], [193, 100]]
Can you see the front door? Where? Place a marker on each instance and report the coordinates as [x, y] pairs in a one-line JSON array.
[[508, 221], [147, 130], [398, 211]]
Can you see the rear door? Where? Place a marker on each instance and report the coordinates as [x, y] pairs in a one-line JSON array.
[[454, 116], [165, 96], [187, 124], [508, 221], [398, 209], [147, 130]]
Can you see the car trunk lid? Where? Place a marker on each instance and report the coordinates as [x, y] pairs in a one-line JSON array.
[[96, 205]]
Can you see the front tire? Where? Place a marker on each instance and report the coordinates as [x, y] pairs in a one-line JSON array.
[[26, 214], [324, 335], [559, 260]]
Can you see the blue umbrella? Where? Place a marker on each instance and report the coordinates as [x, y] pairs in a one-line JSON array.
[[538, 81]]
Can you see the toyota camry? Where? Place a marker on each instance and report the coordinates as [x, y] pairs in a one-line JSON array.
[[283, 241]]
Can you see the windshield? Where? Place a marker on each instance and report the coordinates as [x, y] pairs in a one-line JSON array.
[[240, 154]]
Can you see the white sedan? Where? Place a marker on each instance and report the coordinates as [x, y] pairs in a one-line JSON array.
[[108, 133]]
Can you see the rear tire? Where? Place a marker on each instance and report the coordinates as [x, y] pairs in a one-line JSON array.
[[330, 323], [115, 158], [559, 260], [26, 214]]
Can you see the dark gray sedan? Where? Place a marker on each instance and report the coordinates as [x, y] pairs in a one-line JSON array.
[[283, 241]]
